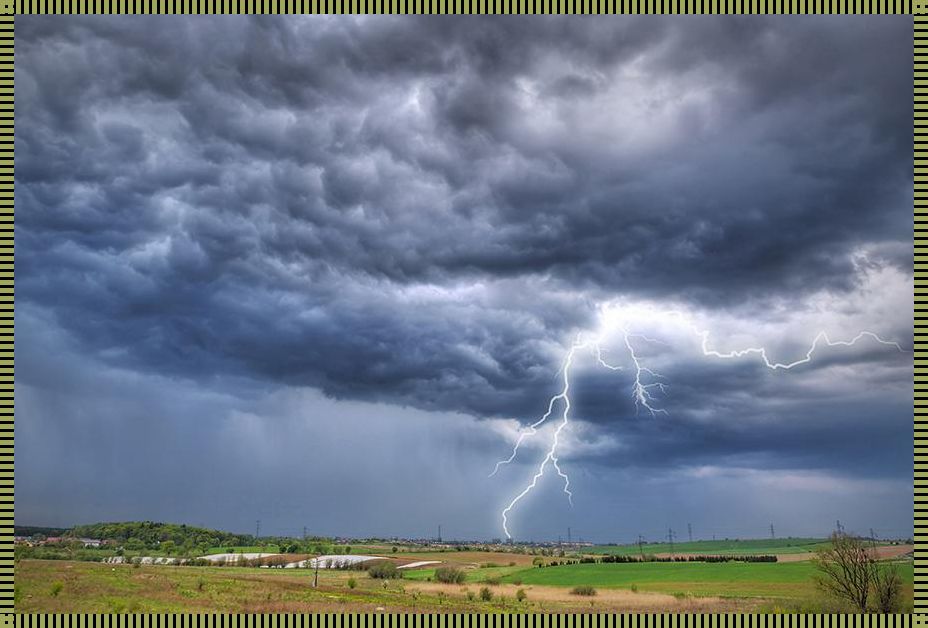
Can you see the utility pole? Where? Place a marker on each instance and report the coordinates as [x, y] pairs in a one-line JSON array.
[[689, 531], [439, 533], [670, 538], [772, 533]]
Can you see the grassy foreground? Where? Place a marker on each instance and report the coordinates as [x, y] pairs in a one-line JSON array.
[[71, 586]]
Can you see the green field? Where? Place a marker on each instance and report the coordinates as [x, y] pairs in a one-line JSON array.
[[724, 547], [775, 580], [242, 549]]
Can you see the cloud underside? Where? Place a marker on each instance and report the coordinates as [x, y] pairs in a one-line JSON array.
[[424, 212]]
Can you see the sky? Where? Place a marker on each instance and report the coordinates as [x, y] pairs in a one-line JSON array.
[[323, 272]]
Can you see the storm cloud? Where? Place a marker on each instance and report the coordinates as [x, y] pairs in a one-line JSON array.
[[420, 214]]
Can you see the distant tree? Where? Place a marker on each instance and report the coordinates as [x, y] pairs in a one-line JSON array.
[[168, 547], [394, 549]]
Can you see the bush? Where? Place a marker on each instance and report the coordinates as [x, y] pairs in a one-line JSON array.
[[517, 582], [520, 595], [449, 575], [56, 588], [485, 594], [634, 588], [471, 596], [384, 571], [583, 590], [494, 580], [352, 583]]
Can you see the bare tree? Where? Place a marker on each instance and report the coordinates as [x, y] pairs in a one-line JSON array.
[[887, 588], [846, 570], [850, 571]]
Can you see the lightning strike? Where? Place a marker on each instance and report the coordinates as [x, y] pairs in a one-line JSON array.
[[646, 384]]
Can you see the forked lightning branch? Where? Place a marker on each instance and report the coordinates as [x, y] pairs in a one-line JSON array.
[[647, 384]]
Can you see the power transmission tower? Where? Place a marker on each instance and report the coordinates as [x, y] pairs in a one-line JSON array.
[[640, 546], [772, 533], [304, 533], [872, 539], [689, 531], [670, 538], [439, 533], [257, 529], [569, 541], [839, 527]]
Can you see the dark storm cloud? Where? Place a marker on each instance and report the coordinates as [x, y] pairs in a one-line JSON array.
[[422, 211]]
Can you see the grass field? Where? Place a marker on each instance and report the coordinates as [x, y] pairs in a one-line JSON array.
[[725, 547], [770, 580], [83, 587], [73, 586]]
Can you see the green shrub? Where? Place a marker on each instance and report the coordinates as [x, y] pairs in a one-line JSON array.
[[494, 580], [384, 571], [56, 588], [352, 583], [517, 582], [634, 588], [485, 594], [583, 590], [449, 575], [520, 595]]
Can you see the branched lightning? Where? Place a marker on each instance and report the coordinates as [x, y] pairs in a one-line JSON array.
[[645, 385]]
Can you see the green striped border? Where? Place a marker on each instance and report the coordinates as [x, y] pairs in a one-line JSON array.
[[920, 332], [466, 621], [6, 313], [918, 8], [467, 6]]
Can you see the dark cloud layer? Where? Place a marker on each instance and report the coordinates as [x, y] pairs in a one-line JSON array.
[[423, 211]]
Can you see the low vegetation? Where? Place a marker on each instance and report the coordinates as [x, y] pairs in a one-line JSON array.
[[384, 571], [450, 575], [583, 590]]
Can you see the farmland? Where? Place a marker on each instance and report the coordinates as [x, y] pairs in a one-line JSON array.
[[727, 547], [75, 586]]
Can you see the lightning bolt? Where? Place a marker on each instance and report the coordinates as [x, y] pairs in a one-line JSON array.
[[646, 383]]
